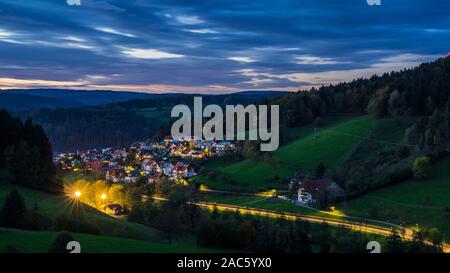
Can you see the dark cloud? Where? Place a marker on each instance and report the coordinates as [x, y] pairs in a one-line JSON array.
[[214, 45]]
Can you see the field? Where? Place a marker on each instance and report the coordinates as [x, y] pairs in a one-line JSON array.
[[269, 203], [333, 141], [423, 202], [117, 234], [54, 205], [329, 147], [261, 202], [39, 242]]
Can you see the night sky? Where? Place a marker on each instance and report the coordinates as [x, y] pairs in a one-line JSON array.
[[213, 46]]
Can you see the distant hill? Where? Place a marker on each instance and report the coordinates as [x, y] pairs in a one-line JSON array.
[[266, 93], [32, 99], [169, 100], [54, 98], [111, 124], [18, 102]]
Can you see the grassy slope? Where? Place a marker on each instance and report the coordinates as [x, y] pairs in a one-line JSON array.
[[330, 147], [333, 143], [261, 202], [115, 231], [39, 241], [53, 205], [385, 130], [404, 203]]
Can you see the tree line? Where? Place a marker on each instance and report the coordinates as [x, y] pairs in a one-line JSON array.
[[26, 156], [419, 97], [409, 92], [88, 128]]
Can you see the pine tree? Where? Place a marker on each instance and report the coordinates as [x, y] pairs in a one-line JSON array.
[[394, 243], [26, 152], [59, 245], [13, 213]]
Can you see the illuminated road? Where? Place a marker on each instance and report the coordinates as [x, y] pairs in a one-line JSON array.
[[405, 233]]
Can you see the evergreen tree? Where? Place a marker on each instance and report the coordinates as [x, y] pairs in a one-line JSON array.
[[13, 213], [421, 167], [59, 245], [435, 236], [26, 152], [394, 243], [320, 170]]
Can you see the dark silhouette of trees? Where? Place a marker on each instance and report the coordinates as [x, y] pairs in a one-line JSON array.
[[320, 170], [13, 212], [394, 243], [26, 153], [413, 92], [59, 245], [422, 167]]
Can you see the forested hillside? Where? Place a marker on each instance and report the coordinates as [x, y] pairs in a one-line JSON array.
[[121, 123], [416, 103], [413, 92], [26, 156], [86, 128]]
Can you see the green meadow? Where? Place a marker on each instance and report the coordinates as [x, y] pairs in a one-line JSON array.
[[329, 145], [53, 205], [261, 202], [423, 202], [117, 234], [40, 241]]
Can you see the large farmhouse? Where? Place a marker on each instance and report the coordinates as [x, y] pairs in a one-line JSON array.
[[312, 190]]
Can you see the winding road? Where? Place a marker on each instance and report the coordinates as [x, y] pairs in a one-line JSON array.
[[352, 223]]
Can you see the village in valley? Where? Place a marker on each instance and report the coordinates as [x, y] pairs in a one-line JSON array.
[[150, 161], [144, 159]]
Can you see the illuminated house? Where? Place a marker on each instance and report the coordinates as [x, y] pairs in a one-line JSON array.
[[115, 209], [95, 165], [319, 187]]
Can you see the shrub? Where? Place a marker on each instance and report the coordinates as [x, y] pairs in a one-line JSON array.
[[318, 122], [435, 236], [422, 167], [203, 171], [59, 245], [137, 214], [229, 180], [13, 212], [213, 174], [36, 221], [320, 170]]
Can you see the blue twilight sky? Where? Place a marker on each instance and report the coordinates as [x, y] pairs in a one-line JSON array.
[[213, 46]]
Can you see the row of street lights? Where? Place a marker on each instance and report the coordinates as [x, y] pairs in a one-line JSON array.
[[77, 194]]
